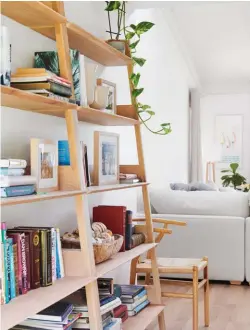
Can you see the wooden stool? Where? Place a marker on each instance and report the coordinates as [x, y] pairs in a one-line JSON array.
[[183, 266]]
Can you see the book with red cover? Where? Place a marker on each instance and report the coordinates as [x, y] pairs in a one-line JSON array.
[[19, 240], [121, 312], [113, 217]]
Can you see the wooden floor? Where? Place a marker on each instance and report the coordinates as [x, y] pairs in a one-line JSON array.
[[229, 309]]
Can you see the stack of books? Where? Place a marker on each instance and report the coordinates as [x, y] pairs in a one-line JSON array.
[[128, 178], [42, 82], [134, 297], [108, 302], [32, 257], [12, 178], [56, 316]]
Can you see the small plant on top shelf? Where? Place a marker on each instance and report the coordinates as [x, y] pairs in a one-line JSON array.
[[132, 35]]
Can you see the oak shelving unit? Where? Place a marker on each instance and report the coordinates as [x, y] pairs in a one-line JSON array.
[[48, 19]]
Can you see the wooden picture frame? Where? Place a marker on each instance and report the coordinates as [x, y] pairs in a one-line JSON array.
[[111, 107], [44, 164], [106, 158]]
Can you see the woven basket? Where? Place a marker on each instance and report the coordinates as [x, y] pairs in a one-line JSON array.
[[102, 252], [105, 251]]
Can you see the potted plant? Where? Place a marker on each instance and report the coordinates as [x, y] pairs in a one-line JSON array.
[[234, 178], [132, 35]]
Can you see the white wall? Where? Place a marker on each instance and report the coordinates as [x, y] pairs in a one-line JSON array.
[[231, 104]]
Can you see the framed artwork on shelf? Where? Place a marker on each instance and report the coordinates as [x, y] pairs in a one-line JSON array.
[[111, 104], [106, 158], [44, 164]]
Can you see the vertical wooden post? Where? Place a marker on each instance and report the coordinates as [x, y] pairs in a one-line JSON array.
[[82, 211], [147, 209]]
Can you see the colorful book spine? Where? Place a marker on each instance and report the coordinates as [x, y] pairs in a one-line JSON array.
[[18, 191], [2, 275], [128, 232], [53, 248], [35, 247], [63, 153], [17, 240], [49, 258], [139, 308], [12, 270], [43, 258], [15, 268], [8, 270], [24, 265], [28, 266], [59, 257], [5, 277]]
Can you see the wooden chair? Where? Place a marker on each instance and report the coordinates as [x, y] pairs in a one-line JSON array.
[[175, 266]]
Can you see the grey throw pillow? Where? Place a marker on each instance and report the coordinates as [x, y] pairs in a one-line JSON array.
[[180, 186], [200, 186]]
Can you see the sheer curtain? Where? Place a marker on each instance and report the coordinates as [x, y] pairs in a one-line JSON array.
[[195, 149]]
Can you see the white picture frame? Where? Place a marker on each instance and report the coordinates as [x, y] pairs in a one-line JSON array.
[[44, 164], [106, 158]]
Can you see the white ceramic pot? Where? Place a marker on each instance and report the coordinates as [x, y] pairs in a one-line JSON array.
[[100, 98], [117, 44], [90, 72]]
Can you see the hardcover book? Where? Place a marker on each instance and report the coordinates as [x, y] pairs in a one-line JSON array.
[[56, 312], [15, 268], [4, 262], [18, 191], [22, 180], [128, 233], [13, 163], [11, 267], [139, 308], [114, 218], [129, 300], [49, 86], [11, 171]]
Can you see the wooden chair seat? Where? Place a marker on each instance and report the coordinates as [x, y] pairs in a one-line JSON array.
[[172, 265]]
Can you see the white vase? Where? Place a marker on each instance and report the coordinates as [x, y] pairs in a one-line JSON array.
[[90, 72], [100, 97]]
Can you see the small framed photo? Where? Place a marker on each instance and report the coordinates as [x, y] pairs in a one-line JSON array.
[[44, 164], [111, 106], [106, 158]]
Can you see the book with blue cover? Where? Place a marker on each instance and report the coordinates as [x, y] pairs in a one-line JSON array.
[[138, 308], [56, 312], [63, 153], [18, 191], [10, 263]]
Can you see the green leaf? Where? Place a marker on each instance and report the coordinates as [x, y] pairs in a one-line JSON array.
[[151, 113], [134, 44], [167, 130], [136, 92], [143, 27], [113, 5], [234, 167], [145, 107], [129, 35], [165, 125], [226, 171], [133, 26], [135, 78], [139, 61]]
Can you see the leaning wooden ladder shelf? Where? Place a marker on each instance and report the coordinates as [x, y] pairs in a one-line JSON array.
[[48, 19]]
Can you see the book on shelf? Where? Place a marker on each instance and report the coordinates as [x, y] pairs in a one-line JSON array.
[[113, 217], [50, 86], [13, 163], [129, 181], [121, 312], [138, 308], [22, 180], [18, 191], [137, 239], [30, 259], [83, 323], [56, 312], [128, 230], [137, 302], [11, 171], [114, 325], [5, 56], [105, 286], [50, 95], [50, 61]]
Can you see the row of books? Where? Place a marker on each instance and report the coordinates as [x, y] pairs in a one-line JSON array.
[[31, 257], [12, 179], [128, 178], [42, 82], [117, 303]]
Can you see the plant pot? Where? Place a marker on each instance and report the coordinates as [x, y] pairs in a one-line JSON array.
[[117, 44]]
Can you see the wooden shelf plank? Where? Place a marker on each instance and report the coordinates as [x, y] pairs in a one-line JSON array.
[[31, 13], [99, 189], [121, 258], [38, 198], [19, 99], [102, 118], [36, 300], [144, 318]]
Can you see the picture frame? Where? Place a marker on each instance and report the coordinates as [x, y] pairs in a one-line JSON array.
[[111, 107], [106, 158], [44, 164]]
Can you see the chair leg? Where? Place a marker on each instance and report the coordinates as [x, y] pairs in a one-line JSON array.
[[147, 278], [206, 296], [195, 298], [133, 270]]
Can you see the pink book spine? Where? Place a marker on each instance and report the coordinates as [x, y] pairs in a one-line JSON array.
[[24, 264]]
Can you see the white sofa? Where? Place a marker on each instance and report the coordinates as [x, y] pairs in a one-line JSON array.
[[247, 255], [215, 228]]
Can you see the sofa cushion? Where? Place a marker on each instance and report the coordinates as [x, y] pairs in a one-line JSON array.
[[200, 203]]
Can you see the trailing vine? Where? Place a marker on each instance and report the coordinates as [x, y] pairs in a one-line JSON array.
[[132, 35]]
